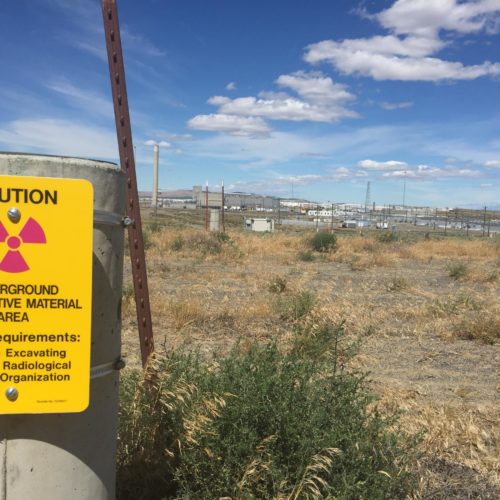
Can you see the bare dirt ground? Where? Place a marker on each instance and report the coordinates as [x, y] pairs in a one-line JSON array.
[[426, 312]]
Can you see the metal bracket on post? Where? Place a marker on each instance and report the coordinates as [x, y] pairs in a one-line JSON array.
[[127, 161], [127, 221]]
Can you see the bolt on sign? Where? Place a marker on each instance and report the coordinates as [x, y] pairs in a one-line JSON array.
[[46, 227]]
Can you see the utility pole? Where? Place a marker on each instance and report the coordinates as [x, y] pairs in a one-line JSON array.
[[484, 221], [331, 221], [156, 157], [206, 206], [317, 218], [222, 208]]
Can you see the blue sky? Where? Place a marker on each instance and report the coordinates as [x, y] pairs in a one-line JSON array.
[[314, 96]]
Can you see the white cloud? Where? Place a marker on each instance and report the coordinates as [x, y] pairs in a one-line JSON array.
[[281, 182], [139, 44], [312, 154], [426, 17], [429, 172], [315, 88], [270, 95], [248, 152], [408, 52], [231, 86], [410, 143], [178, 137], [298, 179], [218, 100], [286, 109], [59, 137], [342, 171], [95, 48], [89, 101], [320, 100], [162, 144], [390, 45], [382, 165], [338, 174], [243, 126], [382, 66], [390, 106], [492, 164], [260, 186]]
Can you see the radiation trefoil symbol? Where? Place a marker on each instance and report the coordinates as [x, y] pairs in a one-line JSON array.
[[13, 261]]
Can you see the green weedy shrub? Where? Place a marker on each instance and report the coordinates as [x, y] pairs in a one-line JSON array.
[[292, 307], [177, 244], [127, 292], [258, 423], [324, 242], [221, 236], [155, 227], [277, 284], [208, 243], [146, 239], [387, 237], [457, 270], [305, 256]]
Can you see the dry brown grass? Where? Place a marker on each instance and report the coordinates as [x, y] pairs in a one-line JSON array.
[[460, 449], [480, 325], [213, 293], [455, 248], [186, 312], [193, 242], [255, 246], [364, 252]]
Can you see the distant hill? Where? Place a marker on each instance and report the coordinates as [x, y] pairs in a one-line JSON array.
[[176, 193], [480, 206]]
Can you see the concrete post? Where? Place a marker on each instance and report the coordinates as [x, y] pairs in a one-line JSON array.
[[214, 219], [72, 455]]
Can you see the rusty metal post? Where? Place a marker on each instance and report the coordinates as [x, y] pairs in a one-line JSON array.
[[127, 161]]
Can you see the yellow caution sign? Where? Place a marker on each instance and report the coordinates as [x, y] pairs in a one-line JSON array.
[[46, 227]]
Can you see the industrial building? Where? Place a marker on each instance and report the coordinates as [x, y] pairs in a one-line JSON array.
[[235, 201], [168, 199], [197, 198]]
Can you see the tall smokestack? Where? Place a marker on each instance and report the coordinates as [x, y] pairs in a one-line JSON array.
[[156, 157]]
